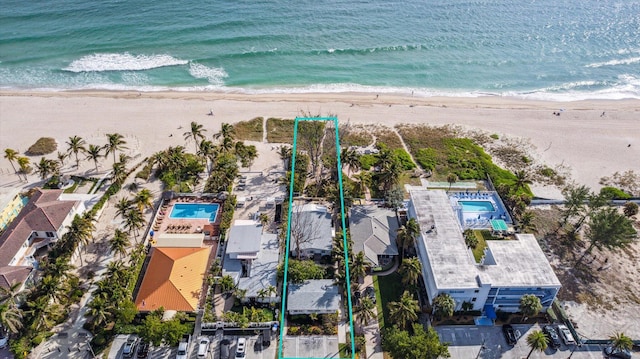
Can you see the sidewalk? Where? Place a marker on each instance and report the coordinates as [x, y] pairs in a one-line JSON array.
[[372, 331]]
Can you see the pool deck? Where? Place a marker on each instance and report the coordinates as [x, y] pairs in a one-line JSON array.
[[163, 223], [478, 219]]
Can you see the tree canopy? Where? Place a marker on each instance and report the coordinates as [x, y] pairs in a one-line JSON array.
[[419, 344]]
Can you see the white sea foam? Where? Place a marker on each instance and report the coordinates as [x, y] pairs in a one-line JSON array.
[[214, 75], [122, 62], [627, 61]]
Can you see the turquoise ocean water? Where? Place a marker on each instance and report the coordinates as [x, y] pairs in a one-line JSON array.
[[543, 49]]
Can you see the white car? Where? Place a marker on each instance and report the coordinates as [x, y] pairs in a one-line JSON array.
[[566, 335], [203, 347], [241, 348]]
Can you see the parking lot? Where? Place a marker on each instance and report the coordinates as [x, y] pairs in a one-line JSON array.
[[254, 348], [489, 343]]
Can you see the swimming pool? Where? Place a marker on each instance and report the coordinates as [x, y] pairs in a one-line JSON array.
[[477, 206], [195, 210]]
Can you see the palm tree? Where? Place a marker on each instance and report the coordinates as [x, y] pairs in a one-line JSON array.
[[100, 311], [537, 341], [522, 180], [61, 156], [94, 153], [115, 143], [143, 200], [9, 295], [42, 312], [196, 133], [76, 145], [451, 178], [530, 306], [12, 156], [11, 317], [206, 151], [226, 131], [608, 229], [574, 202], [443, 305], [25, 169], [405, 311], [365, 311], [119, 242], [285, 156], [620, 341], [470, 238], [407, 235], [358, 267], [44, 168], [526, 222], [123, 206], [350, 157], [51, 288], [134, 221], [119, 173], [410, 269]]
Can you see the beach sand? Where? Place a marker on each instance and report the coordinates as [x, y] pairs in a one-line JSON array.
[[590, 144]]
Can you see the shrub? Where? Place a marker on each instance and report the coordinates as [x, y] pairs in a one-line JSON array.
[[367, 161], [43, 146], [495, 136], [547, 172], [404, 159], [294, 331], [630, 209], [614, 193], [427, 158]]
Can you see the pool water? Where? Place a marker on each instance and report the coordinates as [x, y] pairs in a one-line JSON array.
[[195, 210], [477, 206]]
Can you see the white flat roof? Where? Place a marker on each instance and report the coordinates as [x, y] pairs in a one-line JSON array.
[[519, 262]]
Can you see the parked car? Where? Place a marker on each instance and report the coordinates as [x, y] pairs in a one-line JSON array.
[[129, 348], [4, 338], [552, 335], [203, 347], [183, 347], [509, 334], [143, 350], [371, 293], [241, 348], [566, 335], [224, 349], [611, 352]]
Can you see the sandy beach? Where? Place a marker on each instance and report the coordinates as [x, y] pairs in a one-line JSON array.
[[593, 138]]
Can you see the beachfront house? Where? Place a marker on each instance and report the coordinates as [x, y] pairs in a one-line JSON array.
[[312, 232], [318, 296], [41, 222], [373, 232], [509, 269], [251, 259]]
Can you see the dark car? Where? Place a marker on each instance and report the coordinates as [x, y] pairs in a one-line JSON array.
[[509, 334], [552, 335], [611, 352], [143, 350], [224, 349], [371, 293]]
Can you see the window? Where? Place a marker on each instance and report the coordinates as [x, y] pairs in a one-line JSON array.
[[476, 291], [474, 299], [50, 234]]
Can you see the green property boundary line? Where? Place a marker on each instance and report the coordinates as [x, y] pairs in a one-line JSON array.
[[344, 235]]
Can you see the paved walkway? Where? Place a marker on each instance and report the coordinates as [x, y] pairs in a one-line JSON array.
[[372, 331]]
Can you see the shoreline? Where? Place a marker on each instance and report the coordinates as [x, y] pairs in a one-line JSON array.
[[591, 144]]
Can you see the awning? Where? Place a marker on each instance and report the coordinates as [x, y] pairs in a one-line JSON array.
[[489, 312], [499, 225]]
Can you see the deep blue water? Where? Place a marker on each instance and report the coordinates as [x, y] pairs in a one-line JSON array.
[[552, 49]]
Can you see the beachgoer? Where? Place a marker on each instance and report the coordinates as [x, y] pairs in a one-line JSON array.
[[171, 135], [629, 145], [377, 96], [602, 114], [210, 113]]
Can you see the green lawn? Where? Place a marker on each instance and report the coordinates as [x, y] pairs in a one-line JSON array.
[[478, 251], [388, 289]]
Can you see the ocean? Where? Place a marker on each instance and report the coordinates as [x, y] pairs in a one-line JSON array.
[[538, 49]]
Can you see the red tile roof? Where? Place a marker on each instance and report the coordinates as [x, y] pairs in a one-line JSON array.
[[43, 213], [173, 279]]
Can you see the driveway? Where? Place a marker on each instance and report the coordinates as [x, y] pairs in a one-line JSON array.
[[489, 343], [311, 347]]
